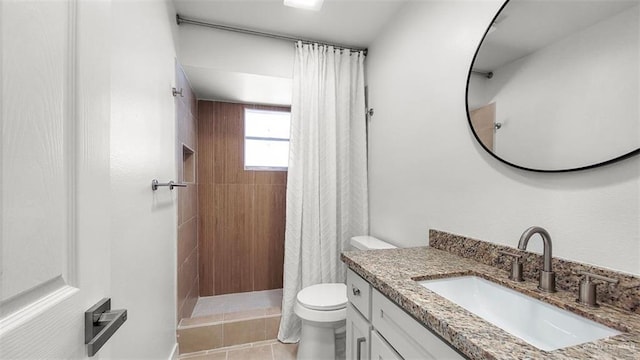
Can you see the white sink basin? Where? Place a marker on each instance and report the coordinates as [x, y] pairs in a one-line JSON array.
[[540, 324]]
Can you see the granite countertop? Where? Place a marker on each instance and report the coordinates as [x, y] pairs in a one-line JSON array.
[[392, 272]]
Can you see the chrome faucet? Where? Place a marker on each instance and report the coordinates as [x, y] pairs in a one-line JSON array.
[[547, 276]]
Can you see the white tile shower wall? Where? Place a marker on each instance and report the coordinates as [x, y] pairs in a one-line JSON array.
[[427, 171]]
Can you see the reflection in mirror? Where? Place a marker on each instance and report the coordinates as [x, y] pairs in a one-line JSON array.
[[555, 84]]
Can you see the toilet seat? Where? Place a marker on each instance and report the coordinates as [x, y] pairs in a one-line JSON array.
[[323, 297], [323, 304]]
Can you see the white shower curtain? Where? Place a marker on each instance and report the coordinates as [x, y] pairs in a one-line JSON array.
[[327, 177]]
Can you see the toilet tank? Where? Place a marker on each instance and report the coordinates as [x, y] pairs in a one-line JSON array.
[[366, 242]]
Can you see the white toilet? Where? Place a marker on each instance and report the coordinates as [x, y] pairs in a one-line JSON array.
[[323, 310]]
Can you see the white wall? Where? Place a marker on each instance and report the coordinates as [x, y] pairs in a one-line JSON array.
[[224, 50], [228, 66], [143, 224], [427, 171], [573, 103]]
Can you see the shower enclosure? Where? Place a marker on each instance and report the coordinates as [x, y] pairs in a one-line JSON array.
[[231, 231]]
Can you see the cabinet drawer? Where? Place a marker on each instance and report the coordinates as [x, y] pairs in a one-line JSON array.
[[380, 350], [405, 334], [359, 293]]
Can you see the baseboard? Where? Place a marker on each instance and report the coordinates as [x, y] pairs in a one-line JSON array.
[[174, 352]]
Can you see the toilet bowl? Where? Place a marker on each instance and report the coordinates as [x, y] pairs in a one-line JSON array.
[[323, 310]]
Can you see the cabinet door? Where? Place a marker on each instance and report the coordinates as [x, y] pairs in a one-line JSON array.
[[380, 350], [358, 335]]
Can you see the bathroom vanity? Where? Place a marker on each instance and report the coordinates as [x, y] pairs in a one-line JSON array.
[[390, 315], [379, 329]]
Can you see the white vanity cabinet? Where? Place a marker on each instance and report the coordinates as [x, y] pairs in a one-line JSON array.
[[379, 329]]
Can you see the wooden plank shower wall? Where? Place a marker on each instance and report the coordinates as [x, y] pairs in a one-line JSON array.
[[241, 213]]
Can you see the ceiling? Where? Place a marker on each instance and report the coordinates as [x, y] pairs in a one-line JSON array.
[[232, 76], [522, 28], [354, 23]]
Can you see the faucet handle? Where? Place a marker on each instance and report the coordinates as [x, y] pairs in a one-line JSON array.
[[587, 290], [516, 265]]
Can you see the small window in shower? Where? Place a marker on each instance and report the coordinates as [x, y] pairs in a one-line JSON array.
[[266, 139], [188, 165]]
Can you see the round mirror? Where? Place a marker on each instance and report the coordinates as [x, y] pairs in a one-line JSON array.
[[554, 85]]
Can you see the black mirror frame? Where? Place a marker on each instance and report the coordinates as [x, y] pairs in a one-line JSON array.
[[475, 135]]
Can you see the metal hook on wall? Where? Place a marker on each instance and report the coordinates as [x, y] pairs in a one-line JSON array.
[[175, 92], [369, 113]]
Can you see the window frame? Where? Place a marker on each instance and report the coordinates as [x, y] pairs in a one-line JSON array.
[[263, 138]]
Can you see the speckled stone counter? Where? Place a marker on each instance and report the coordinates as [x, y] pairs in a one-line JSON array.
[[392, 272]]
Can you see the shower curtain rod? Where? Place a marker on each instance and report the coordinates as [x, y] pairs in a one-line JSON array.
[[183, 20], [487, 74]]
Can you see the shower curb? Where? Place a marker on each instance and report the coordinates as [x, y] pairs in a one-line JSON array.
[[214, 332]]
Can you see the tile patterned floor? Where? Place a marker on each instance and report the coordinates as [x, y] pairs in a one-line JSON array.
[[264, 350]]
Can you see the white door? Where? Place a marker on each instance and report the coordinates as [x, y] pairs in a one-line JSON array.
[[55, 249]]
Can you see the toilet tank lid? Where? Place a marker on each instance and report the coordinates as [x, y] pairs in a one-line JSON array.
[[366, 242]]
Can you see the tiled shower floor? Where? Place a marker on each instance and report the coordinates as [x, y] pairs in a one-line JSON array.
[[231, 303], [239, 326]]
